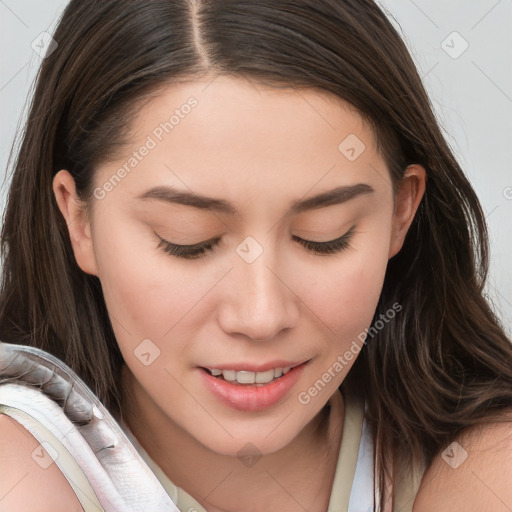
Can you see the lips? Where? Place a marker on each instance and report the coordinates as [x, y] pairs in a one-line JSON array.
[[251, 397]]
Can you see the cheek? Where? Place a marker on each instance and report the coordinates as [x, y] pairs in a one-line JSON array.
[[345, 290], [143, 294]]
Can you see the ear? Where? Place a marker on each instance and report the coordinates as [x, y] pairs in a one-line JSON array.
[[408, 197], [73, 210]]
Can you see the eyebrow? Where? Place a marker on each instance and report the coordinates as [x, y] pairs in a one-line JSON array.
[[338, 195]]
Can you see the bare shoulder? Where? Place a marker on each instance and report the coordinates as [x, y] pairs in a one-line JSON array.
[[472, 474], [29, 479]]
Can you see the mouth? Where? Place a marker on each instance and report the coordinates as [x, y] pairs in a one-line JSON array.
[[248, 391], [251, 378]]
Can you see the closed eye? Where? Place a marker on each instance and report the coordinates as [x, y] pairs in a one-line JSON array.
[[330, 247], [197, 250]]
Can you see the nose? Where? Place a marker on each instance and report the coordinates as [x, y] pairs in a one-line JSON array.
[[259, 301]]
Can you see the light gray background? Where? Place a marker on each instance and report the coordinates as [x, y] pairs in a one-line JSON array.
[[470, 90]]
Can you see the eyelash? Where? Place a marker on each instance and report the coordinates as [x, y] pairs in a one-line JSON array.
[[195, 251]]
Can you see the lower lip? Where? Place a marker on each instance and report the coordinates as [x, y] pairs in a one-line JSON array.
[[252, 398]]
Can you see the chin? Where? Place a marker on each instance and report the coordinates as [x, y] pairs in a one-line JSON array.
[[254, 443]]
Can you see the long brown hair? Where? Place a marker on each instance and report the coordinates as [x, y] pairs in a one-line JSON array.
[[442, 365]]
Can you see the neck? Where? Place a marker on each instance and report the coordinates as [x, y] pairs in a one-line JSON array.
[[221, 483]]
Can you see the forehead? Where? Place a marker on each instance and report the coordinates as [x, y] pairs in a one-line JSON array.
[[219, 108], [226, 137]]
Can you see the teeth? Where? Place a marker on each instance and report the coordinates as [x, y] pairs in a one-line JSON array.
[[264, 377], [244, 377], [229, 374]]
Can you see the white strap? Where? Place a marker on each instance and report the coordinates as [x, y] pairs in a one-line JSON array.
[[365, 495], [361, 496]]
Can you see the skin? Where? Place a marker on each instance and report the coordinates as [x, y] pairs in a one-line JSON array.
[[33, 480], [260, 149], [478, 482]]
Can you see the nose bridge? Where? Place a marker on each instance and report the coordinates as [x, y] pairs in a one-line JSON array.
[[262, 304]]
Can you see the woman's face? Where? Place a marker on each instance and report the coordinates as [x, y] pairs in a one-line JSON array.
[[259, 299]]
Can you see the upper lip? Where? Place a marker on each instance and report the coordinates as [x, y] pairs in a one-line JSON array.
[[252, 367]]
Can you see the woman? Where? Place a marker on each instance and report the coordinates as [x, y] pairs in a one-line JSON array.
[[239, 223]]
